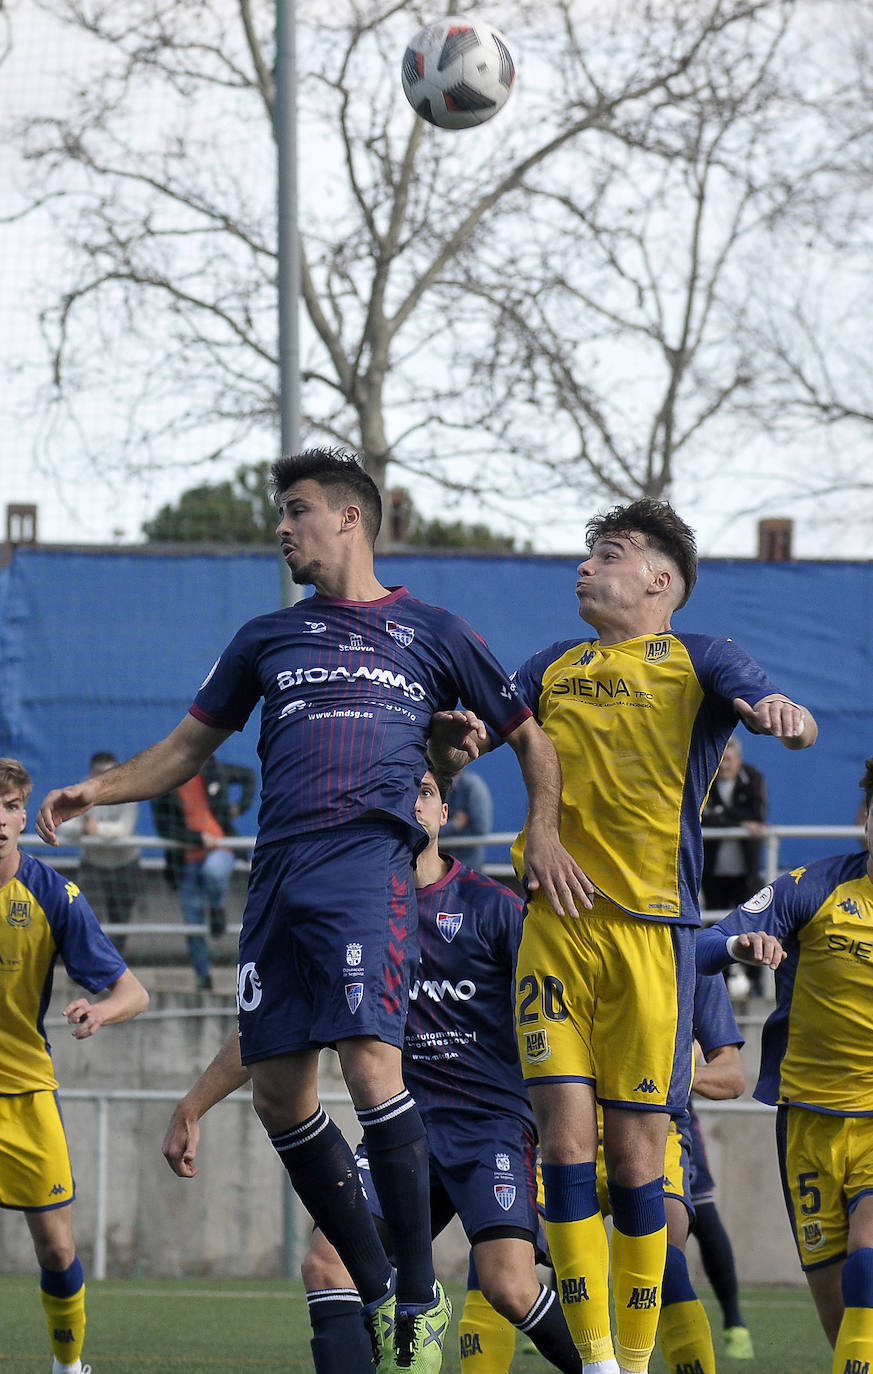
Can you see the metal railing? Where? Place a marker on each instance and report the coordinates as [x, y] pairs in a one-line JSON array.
[[771, 838], [104, 1098]]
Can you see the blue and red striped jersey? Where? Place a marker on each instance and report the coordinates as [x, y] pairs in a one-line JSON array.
[[348, 691]]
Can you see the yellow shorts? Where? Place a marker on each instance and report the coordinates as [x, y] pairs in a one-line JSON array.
[[607, 999], [826, 1164], [676, 1180], [35, 1172]]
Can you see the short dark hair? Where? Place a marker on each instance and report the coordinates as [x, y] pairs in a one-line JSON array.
[[14, 774], [660, 525], [103, 756], [866, 783], [444, 781], [342, 475]]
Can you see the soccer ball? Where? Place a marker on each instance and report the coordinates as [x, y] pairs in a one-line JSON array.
[[457, 73]]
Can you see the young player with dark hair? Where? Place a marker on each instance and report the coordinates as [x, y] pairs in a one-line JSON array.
[[350, 681], [812, 926], [44, 917], [639, 717]]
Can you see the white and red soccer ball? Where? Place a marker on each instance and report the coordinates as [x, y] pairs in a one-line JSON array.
[[457, 72]]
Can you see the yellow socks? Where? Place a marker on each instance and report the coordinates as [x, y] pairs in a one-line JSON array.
[[486, 1340]]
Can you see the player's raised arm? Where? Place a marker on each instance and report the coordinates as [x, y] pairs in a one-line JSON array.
[[777, 715], [547, 863], [158, 769]]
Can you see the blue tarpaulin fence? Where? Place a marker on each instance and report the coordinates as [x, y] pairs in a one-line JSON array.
[[105, 649]]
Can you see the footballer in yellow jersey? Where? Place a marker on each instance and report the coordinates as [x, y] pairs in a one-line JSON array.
[[44, 917], [814, 925], [639, 716]]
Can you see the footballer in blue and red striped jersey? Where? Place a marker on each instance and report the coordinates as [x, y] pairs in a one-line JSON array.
[[460, 1060], [349, 689]]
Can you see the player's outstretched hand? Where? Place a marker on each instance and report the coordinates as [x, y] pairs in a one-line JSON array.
[[455, 738], [85, 1017], [61, 805], [756, 947], [181, 1142], [778, 716], [549, 866]]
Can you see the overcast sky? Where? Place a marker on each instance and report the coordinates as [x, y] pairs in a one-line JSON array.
[[78, 505]]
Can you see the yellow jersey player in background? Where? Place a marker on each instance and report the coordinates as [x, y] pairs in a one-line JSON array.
[[813, 926], [44, 917], [639, 716]]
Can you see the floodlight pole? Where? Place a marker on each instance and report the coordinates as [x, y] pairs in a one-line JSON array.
[[289, 382], [288, 249], [289, 241]]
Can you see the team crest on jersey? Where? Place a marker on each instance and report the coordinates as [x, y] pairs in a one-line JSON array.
[[536, 1046], [760, 901], [657, 649], [505, 1194], [449, 923], [354, 950], [501, 1162], [354, 996], [813, 1236], [18, 914], [404, 634]]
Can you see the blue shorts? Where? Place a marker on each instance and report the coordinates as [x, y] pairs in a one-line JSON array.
[[329, 940], [482, 1169], [702, 1181]]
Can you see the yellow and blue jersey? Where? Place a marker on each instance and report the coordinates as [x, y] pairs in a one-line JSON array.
[[43, 917], [816, 1044], [640, 727]]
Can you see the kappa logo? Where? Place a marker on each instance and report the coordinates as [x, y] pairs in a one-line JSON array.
[[657, 649], [354, 951], [448, 923], [354, 996], [505, 1194], [646, 1085], [404, 634], [248, 988], [536, 1046], [57, 1190], [18, 914], [586, 657], [850, 906], [72, 891]]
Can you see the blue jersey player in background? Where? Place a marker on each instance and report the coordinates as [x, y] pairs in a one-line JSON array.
[[349, 681], [461, 1064], [45, 918], [813, 927]]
